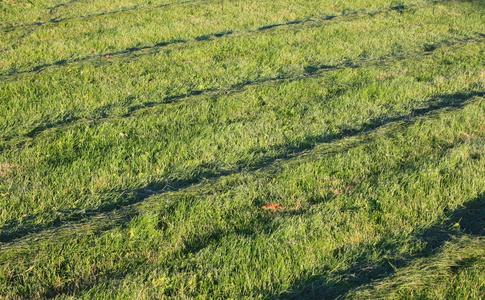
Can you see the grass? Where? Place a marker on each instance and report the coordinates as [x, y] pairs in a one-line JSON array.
[[455, 273], [139, 141]]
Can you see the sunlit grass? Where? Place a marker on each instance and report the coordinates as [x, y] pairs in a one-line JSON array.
[[140, 140]]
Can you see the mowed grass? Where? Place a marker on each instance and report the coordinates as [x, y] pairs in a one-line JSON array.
[[139, 141]]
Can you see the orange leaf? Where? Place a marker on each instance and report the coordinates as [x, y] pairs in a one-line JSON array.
[[270, 206], [107, 56]]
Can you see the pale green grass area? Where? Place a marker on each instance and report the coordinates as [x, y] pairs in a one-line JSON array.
[[140, 139], [48, 42], [456, 273]]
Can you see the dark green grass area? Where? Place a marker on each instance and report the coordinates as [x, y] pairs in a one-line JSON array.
[[139, 141]]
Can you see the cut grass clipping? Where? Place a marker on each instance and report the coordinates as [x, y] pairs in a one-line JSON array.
[[242, 149]]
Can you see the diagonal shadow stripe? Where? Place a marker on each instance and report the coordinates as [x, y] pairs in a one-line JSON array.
[[123, 208], [311, 71]]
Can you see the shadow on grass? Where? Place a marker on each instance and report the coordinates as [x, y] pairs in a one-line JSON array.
[[91, 16], [121, 202], [33, 27], [156, 47], [59, 19], [310, 71], [135, 50], [122, 211], [262, 222], [471, 217]]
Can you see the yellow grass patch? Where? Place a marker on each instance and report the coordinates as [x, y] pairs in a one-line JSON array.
[[7, 169]]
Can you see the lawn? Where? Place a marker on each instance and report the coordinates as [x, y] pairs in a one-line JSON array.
[[229, 149]]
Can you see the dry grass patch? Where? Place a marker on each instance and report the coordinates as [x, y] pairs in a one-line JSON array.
[[7, 169]]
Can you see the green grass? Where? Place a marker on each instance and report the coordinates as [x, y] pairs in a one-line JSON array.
[[455, 273], [139, 141]]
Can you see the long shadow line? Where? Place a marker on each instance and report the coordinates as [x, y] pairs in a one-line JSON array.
[[210, 37], [124, 207], [311, 71], [429, 108]]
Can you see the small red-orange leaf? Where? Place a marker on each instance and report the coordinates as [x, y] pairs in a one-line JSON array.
[[270, 206], [107, 56]]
